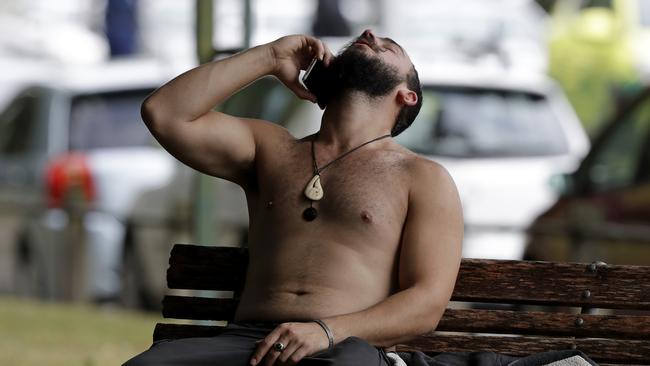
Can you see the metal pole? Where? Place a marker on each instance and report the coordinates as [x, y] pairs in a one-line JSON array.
[[204, 30], [204, 198], [248, 24]]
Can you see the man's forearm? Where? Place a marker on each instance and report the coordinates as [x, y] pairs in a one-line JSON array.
[[398, 318], [197, 91]]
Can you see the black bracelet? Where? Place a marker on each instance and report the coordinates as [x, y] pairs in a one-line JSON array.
[[330, 336]]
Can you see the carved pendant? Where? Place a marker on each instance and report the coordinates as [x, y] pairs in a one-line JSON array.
[[314, 190], [309, 214]]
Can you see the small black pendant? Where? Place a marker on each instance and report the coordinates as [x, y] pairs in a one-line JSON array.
[[309, 214]]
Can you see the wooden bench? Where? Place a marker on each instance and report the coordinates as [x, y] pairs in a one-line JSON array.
[[602, 310]]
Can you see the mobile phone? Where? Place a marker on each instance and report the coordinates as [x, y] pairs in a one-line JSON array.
[[318, 82]]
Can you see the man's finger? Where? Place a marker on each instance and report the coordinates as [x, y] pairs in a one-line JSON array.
[[317, 47], [272, 355], [297, 356], [301, 92], [264, 346], [328, 56], [290, 350]]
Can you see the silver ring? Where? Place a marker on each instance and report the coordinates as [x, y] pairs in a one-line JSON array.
[[279, 347]]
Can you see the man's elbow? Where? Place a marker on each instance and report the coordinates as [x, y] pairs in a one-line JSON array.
[[148, 111], [154, 116], [430, 318]]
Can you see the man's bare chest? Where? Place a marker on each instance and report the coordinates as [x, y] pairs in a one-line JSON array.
[[361, 188]]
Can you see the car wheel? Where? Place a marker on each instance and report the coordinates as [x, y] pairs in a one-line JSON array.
[[29, 279], [134, 294]]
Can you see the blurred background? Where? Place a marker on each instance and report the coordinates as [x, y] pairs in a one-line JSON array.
[[539, 110]]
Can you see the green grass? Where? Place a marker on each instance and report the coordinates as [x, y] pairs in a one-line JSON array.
[[36, 333]]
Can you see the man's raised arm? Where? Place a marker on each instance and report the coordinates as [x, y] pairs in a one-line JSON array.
[[179, 114]]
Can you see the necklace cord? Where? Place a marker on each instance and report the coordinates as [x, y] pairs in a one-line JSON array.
[[318, 170]]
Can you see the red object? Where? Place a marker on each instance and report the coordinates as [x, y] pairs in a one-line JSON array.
[[67, 173]]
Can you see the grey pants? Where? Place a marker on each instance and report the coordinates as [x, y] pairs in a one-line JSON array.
[[235, 346]]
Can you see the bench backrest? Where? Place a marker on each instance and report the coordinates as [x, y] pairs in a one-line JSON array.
[[512, 307]]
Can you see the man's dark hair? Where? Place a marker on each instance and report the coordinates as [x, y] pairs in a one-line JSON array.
[[407, 114]]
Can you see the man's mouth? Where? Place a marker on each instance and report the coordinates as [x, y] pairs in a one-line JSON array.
[[364, 43]]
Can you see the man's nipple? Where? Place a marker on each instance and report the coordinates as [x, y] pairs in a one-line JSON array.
[[366, 217]]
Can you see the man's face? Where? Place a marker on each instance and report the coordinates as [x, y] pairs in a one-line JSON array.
[[371, 65]]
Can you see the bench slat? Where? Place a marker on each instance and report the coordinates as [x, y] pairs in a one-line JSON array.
[[479, 280], [198, 308], [545, 323], [549, 283], [209, 255], [600, 350], [205, 277]]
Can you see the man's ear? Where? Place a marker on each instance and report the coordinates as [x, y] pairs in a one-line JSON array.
[[406, 97]]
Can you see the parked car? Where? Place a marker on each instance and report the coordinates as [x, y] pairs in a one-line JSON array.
[[501, 135], [73, 155], [90, 204], [603, 213]]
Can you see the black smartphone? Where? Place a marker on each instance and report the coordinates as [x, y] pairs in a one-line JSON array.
[[318, 82]]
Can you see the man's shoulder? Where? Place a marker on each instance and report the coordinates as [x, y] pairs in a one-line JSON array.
[[427, 174], [421, 167], [266, 128], [269, 134]]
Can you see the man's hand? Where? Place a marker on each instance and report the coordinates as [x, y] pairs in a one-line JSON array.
[[299, 339], [294, 53]]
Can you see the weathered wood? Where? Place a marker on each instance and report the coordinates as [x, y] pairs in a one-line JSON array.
[[207, 268], [545, 323], [549, 283], [479, 280], [178, 331], [600, 350], [209, 255], [204, 277], [198, 308], [615, 339]]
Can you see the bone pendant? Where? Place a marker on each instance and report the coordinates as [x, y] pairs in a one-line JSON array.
[[314, 191]]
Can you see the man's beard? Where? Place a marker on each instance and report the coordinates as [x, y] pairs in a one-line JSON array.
[[355, 70]]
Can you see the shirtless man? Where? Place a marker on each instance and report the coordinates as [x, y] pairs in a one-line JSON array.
[[376, 265]]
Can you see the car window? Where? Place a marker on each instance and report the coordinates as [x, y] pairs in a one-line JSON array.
[[464, 122], [17, 125], [108, 120], [615, 162]]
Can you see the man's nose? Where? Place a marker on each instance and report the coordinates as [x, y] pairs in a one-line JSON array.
[[368, 34]]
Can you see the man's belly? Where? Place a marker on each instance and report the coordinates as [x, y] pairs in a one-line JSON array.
[[312, 283]]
